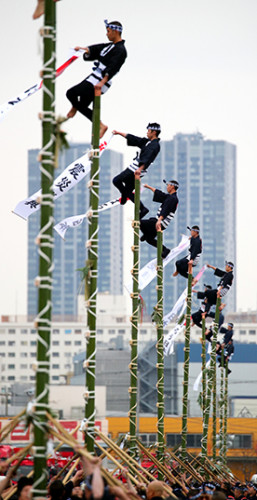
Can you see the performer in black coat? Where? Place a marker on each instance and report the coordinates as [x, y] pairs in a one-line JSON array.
[[223, 285], [169, 203], [195, 251], [149, 149], [108, 57], [228, 334], [206, 309]]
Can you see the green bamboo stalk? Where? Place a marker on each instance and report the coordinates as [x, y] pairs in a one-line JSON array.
[[45, 242], [214, 412], [225, 413], [134, 325], [91, 281], [203, 363], [160, 358], [222, 402], [186, 363], [210, 383]]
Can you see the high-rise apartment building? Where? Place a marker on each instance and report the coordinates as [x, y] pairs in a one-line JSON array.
[[70, 255], [206, 172]]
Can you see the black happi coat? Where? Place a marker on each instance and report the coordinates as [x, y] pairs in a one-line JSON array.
[[149, 149]]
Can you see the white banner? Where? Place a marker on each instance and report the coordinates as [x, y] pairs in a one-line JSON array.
[[169, 339], [148, 272], [71, 176], [76, 220], [199, 378], [5, 108], [175, 312]]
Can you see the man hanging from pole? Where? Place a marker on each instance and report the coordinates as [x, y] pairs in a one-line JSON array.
[[169, 203], [195, 251], [108, 59], [149, 149], [223, 286], [205, 309]]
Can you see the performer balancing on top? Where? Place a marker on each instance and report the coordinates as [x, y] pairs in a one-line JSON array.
[[223, 286], [195, 251], [108, 57], [149, 149], [169, 203]]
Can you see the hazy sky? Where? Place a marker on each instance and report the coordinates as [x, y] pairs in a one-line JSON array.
[[191, 66]]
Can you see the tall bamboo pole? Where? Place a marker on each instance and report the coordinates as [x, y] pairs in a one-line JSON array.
[[221, 405], [45, 242], [210, 382], [160, 358], [203, 364], [225, 413], [214, 411], [186, 363], [92, 262], [134, 325]]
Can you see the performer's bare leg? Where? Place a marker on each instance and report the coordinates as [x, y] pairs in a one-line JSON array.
[[72, 112], [103, 129], [40, 8], [222, 306]]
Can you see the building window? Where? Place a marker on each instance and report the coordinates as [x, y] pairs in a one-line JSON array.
[[67, 367], [33, 330], [55, 367], [55, 354], [111, 332], [11, 377], [33, 342], [99, 332], [252, 332], [33, 354], [24, 342], [32, 377], [23, 367], [55, 342], [67, 331], [119, 320], [143, 332], [11, 367], [173, 440], [67, 354], [23, 330], [67, 342], [24, 354], [148, 439], [77, 331], [77, 342], [194, 440], [24, 378], [56, 331], [11, 330], [55, 377], [242, 332], [11, 342], [2, 342], [2, 354], [11, 354], [239, 441], [121, 332]]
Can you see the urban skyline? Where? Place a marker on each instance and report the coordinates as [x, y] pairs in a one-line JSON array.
[[70, 255]]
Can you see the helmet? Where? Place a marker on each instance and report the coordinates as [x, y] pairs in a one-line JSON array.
[[254, 479]]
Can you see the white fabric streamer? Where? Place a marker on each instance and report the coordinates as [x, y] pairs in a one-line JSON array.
[[199, 378], [76, 220], [6, 107], [69, 178], [148, 272], [179, 307]]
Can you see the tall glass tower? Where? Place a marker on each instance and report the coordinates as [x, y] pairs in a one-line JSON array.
[[206, 172], [69, 255]]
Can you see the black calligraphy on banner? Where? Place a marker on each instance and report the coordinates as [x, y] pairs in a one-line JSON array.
[[32, 203], [75, 171], [63, 184]]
